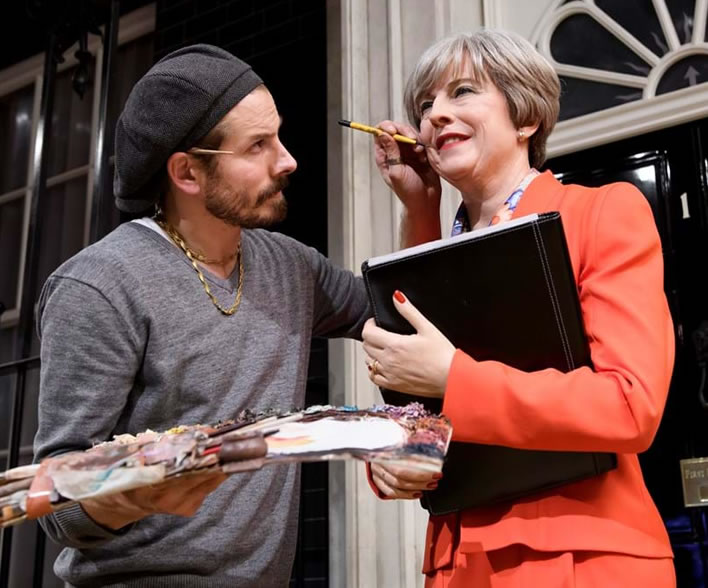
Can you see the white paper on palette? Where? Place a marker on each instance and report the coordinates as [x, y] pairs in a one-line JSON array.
[[331, 434]]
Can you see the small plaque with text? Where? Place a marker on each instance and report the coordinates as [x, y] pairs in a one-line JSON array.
[[694, 477]]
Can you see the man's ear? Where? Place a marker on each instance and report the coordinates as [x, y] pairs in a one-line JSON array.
[[184, 174]]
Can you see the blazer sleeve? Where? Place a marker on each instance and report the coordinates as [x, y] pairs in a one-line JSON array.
[[617, 405]]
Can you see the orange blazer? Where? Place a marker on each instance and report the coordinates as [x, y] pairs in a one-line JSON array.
[[617, 261]]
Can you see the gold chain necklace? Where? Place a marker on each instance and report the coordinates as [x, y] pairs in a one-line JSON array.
[[194, 256]]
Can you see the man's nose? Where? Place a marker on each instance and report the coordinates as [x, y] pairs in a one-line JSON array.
[[286, 162]]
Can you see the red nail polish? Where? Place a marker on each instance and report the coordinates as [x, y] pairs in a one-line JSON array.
[[432, 485], [417, 495], [398, 295], [437, 476]]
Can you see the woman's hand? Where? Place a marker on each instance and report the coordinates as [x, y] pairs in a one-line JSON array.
[[414, 364], [397, 482], [406, 170]]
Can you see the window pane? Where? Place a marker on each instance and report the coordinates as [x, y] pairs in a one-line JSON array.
[[639, 18], [10, 244], [580, 97], [29, 414], [62, 225], [687, 72], [7, 387], [21, 560], [577, 33], [682, 14], [71, 124], [15, 134], [8, 346], [28, 426]]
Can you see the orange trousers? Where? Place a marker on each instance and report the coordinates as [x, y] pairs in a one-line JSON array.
[[518, 566]]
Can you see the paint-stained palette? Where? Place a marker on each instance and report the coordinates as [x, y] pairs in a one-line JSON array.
[[408, 436]]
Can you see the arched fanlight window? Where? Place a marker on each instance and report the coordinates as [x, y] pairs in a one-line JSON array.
[[609, 53]]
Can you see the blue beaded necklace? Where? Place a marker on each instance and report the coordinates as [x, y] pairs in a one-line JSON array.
[[461, 223]]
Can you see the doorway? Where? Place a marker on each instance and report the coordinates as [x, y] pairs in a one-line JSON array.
[[670, 168]]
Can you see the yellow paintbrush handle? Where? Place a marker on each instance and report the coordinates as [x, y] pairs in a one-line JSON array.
[[377, 132]]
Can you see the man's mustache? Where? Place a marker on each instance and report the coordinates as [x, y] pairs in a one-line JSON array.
[[278, 186]]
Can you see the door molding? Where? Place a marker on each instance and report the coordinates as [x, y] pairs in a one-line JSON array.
[[629, 120]]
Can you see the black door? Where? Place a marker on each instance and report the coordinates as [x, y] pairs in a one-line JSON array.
[[670, 169]]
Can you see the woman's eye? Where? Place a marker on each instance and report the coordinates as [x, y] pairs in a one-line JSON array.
[[425, 106], [257, 145], [461, 90]]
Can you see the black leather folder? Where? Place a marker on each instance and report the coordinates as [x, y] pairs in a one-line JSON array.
[[504, 293]]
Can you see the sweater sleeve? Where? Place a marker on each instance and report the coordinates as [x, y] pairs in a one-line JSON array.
[[341, 305], [617, 405], [89, 358]]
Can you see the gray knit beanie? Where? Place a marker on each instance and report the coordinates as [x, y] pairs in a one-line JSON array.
[[178, 101]]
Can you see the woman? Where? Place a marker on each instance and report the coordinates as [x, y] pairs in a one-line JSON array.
[[483, 105]]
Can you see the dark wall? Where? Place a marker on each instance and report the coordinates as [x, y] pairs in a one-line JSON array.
[[24, 23]]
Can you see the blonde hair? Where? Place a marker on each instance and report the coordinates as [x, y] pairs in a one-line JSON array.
[[525, 78]]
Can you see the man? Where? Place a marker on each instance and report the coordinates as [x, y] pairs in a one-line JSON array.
[[187, 317]]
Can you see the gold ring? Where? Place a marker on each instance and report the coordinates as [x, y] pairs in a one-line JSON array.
[[375, 367], [393, 161]]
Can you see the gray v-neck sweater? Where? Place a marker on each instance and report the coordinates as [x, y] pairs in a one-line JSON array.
[[130, 341]]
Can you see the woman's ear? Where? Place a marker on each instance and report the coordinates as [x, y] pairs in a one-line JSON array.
[[526, 132], [183, 174]]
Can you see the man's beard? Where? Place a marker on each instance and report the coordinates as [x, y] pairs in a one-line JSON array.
[[232, 206]]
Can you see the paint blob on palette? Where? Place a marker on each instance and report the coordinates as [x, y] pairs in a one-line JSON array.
[[408, 436]]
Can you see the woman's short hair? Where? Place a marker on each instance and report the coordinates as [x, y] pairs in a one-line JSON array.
[[525, 78]]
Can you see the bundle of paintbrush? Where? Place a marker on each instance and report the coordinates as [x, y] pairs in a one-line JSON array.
[[402, 435]]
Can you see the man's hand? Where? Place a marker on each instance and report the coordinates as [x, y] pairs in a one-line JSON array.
[[181, 497], [398, 482]]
